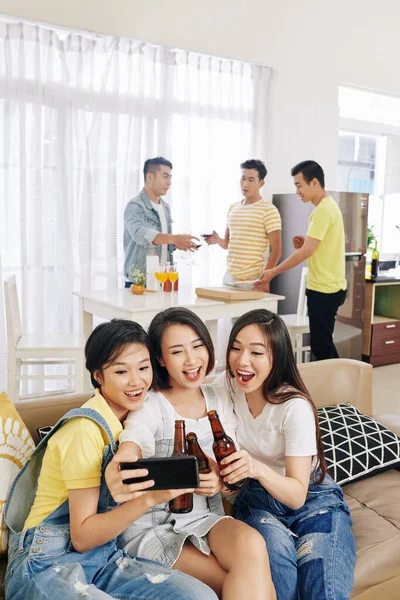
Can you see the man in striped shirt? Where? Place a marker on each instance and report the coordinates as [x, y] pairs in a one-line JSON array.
[[254, 227]]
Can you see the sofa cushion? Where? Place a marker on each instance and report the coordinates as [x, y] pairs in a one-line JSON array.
[[16, 446], [388, 590], [356, 445], [375, 511]]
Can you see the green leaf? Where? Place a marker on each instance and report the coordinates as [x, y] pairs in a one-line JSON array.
[[138, 276]]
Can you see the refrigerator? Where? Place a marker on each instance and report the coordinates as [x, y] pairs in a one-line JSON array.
[[295, 215]]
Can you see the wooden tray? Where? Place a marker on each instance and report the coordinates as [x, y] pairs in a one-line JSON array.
[[228, 294]]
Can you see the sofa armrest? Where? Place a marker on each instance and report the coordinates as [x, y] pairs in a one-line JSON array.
[[392, 422], [39, 412], [339, 380]]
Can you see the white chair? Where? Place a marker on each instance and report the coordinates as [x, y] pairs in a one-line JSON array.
[[298, 324], [38, 349]]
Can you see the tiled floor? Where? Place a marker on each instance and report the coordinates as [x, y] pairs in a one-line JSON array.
[[386, 389]]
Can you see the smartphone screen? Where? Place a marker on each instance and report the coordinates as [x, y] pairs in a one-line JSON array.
[[168, 473]]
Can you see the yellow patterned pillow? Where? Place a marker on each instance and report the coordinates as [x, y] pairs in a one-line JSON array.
[[16, 446]]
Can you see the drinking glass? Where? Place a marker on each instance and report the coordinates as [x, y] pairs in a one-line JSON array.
[[194, 254], [173, 276], [161, 277]]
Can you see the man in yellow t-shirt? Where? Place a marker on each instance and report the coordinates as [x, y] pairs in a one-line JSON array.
[[253, 228], [324, 248]]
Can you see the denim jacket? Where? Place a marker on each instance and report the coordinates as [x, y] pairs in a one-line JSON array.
[[141, 225]]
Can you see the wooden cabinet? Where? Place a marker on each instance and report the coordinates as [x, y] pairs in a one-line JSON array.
[[381, 328], [385, 345]]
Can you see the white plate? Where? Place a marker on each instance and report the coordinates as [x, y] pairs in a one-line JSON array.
[[247, 282]]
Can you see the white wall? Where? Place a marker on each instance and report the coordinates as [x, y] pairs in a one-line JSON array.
[[312, 46]]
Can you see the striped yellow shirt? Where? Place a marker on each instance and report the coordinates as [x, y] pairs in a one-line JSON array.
[[249, 226]]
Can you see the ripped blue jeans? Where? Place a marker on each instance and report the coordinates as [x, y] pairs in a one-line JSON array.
[[43, 564], [101, 573], [311, 550]]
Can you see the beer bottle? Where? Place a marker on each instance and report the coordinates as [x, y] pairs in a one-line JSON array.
[[194, 449], [167, 284], [223, 446], [375, 262], [183, 503]]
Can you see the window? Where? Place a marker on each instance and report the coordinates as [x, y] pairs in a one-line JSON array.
[[357, 154], [79, 115], [369, 159]]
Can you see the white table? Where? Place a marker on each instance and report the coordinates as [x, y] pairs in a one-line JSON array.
[[121, 303]]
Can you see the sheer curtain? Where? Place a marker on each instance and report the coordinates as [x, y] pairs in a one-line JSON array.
[[79, 114]]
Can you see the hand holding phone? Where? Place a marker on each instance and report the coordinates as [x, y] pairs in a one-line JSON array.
[[121, 492], [168, 473]]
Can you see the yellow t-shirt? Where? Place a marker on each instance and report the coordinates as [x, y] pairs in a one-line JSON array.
[[326, 267], [72, 459], [249, 226]]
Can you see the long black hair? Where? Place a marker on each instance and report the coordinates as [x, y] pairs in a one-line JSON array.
[[108, 340], [284, 381], [175, 316]]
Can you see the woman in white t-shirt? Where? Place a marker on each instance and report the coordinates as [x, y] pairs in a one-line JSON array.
[[289, 498], [227, 555]]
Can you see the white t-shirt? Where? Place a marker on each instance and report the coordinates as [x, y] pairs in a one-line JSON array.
[[164, 229], [281, 430]]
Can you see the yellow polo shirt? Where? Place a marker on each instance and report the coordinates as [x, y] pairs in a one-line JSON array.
[[326, 267], [72, 459]]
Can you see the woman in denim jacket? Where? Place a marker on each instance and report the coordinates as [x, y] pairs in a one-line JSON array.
[[227, 555], [289, 497], [63, 522]]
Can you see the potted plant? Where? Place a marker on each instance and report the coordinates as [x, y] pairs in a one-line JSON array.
[[139, 280], [370, 237]]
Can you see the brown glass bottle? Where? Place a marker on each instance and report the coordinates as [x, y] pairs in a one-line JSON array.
[[223, 446], [194, 449], [183, 503]]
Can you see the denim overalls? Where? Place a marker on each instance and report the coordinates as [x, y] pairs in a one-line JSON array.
[[311, 550], [44, 565], [160, 534]]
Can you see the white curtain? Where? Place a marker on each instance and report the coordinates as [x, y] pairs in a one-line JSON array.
[[79, 114]]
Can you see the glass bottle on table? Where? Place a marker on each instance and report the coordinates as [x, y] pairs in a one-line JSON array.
[[223, 446], [375, 262], [184, 502], [167, 282]]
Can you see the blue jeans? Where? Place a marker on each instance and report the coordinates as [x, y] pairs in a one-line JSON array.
[[102, 573], [43, 564], [311, 550]]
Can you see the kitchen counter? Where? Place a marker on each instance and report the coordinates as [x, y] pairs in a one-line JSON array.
[[383, 280]]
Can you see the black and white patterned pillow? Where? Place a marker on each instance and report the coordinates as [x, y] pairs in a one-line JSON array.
[[356, 445]]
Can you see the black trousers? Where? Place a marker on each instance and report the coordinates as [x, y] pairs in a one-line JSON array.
[[322, 310]]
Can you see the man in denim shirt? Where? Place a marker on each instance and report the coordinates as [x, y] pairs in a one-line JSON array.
[[148, 223]]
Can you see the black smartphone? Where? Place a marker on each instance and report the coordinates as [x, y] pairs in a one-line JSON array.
[[169, 473]]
